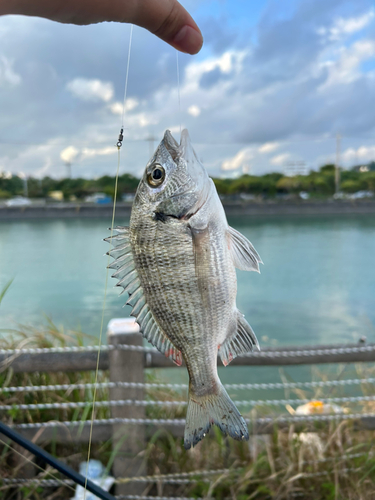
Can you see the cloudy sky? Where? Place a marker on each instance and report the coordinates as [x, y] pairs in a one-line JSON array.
[[273, 85]]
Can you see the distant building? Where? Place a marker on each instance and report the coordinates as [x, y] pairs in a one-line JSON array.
[[99, 199], [56, 195]]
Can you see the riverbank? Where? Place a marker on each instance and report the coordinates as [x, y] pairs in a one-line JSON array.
[[251, 209]]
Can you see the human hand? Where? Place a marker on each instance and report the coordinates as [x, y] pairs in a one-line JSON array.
[[166, 19]]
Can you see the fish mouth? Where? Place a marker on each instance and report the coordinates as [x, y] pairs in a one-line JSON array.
[[186, 214], [163, 217]]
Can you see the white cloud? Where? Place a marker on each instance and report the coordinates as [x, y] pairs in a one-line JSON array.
[[69, 154], [229, 62], [346, 69], [240, 160], [268, 147], [7, 73], [142, 120], [91, 90], [362, 154], [117, 107], [280, 159], [348, 26], [92, 152], [366, 152], [130, 104], [194, 110]]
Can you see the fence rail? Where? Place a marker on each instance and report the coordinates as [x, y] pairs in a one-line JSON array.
[[85, 358]]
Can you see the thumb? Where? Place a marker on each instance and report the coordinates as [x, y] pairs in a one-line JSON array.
[[168, 20]]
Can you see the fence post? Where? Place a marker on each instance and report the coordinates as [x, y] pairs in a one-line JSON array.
[[128, 439], [23, 462]]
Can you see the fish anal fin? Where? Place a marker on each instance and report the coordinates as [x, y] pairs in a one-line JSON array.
[[242, 341], [243, 254]]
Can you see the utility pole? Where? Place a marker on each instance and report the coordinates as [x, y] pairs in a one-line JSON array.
[[337, 166], [151, 140], [68, 165], [23, 176]]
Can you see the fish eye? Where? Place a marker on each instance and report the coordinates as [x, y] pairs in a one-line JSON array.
[[156, 176]]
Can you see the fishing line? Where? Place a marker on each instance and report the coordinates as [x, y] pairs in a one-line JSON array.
[[178, 90], [127, 76], [119, 144]]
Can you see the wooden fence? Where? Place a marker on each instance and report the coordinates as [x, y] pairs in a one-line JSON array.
[[126, 360]]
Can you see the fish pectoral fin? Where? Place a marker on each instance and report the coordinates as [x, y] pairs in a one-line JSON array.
[[243, 340], [243, 254]]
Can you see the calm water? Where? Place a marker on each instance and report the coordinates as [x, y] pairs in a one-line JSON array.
[[317, 285]]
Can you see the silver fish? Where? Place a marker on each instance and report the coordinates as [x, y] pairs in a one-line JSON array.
[[177, 262]]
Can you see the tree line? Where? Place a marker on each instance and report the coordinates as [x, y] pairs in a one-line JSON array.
[[319, 183]]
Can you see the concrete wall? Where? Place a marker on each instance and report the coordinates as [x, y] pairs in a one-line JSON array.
[[266, 208]]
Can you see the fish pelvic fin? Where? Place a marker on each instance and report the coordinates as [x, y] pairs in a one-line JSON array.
[[242, 341], [218, 409]]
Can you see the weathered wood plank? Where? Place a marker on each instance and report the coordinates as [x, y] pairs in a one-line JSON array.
[[292, 356], [55, 362], [86, 360]]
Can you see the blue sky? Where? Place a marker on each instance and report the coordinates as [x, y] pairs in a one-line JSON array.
[[273, 85]]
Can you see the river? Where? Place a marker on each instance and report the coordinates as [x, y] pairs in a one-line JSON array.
[[317, 284]]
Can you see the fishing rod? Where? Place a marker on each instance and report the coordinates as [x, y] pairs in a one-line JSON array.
[[54, 462]]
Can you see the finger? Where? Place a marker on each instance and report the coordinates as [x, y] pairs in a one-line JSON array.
[[168, 20]]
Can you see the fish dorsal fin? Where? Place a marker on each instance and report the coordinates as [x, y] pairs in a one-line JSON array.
[[128, 279], [244, 255], [243, 340]]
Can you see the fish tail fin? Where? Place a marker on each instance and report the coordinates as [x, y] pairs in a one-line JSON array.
[[218, 409]]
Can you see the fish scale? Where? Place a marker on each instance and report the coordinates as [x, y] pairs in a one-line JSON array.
[[177, 261]]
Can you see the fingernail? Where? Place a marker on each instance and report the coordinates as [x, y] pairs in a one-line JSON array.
[[188, 40]]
